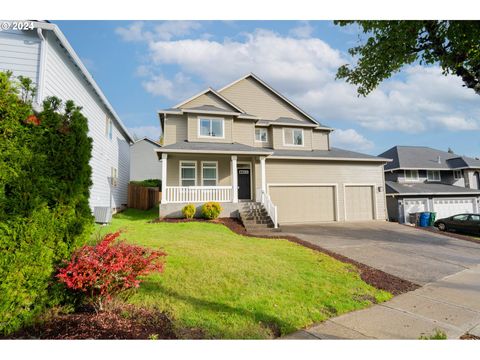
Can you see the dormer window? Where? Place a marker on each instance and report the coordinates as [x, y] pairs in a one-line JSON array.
[[433, 175], [210, 128], [292, 137], [411, 175]]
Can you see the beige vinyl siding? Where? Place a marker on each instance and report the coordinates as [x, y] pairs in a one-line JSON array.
[[304, 204], [244, 132], [208, 99], [359, 203], [173, 168], [278, 139], [255, 99], [320, 140], [193, 129], [329, 172], [175, 129]]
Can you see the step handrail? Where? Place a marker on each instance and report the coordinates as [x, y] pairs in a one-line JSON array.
[[270, 207]]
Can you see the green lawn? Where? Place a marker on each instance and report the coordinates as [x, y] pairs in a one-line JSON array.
[[231, 286]]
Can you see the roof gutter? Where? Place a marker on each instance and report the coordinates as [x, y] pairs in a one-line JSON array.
[[329, 158]]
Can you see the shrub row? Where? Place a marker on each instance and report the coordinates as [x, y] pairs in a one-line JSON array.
[[44, 191], [210, 210], [148, 183]]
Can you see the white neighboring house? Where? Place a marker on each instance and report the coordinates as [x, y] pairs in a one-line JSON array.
[[44, 55], [144, 163]]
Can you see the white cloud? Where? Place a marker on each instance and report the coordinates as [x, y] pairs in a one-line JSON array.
[[304, 30], [303, 68], [166, 30], [350, 139], [139, 132]]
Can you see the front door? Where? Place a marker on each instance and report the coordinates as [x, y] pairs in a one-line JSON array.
[[244, 184]]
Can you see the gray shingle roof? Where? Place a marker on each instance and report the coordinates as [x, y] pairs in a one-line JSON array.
[[421, 157], [217, 147], [333, 153], [426, 189]]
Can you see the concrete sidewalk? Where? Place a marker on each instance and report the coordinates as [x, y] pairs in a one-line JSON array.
[[451, 304]]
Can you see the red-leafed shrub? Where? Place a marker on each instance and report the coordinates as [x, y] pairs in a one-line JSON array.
[[111, 267]]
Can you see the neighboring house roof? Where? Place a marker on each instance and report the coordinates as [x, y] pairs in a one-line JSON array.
[[153, 142], [213, 148], [255, 77], [221, 97], [332, 154], [79, 64], [394, 188], [426, 158]]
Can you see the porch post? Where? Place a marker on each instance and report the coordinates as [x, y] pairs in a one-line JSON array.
[[234, 179], [262, 172], [164, 178]]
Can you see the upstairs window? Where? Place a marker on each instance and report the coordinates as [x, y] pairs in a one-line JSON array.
[[292, 137], [211, 128], [209, 173], [411, 175], [261, 135], [457, 174], [108, 128], [188, 173], [433, 175]]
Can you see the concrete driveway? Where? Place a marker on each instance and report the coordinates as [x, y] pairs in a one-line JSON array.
[[408, 253]]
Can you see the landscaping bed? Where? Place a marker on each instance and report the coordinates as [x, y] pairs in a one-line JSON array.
[[120, 322]]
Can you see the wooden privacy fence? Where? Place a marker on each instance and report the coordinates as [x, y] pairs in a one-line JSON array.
[[143, 198]]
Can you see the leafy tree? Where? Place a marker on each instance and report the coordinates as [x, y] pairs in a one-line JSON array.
[[390, 45]]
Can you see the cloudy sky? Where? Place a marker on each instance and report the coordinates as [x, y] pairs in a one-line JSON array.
[[146, 66]]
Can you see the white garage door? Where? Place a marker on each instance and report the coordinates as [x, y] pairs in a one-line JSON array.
[[358, 203], [304, 204], [413, 206], [448, 207]]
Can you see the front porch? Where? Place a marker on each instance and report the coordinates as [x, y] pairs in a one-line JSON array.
[[199, 178]]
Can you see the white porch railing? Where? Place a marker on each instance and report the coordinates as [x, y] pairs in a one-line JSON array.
[[186, 194], [270, 207]]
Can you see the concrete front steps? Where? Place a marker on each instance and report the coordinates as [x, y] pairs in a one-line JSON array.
[[254, 217]]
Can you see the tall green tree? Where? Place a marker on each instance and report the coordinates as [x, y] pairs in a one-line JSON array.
[[387, 46]]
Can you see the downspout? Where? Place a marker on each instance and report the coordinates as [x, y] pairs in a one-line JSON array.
[[41, 67]]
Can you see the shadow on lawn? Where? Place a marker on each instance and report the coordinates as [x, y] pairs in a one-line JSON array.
[[272, 323]]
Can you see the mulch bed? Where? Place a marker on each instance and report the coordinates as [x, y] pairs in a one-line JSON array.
[[447, 233], [125, 322], [469, 337], [377, 278]]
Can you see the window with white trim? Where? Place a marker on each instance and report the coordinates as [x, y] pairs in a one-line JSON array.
[[433, 175], [292, 137], [209, 173], [108, 127], [188, 173], [210, 127], [261, 135], [457, 174], [411, 175]]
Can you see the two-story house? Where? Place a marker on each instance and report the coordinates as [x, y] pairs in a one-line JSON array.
[[424, 179], [41, 52], [247, 143]]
